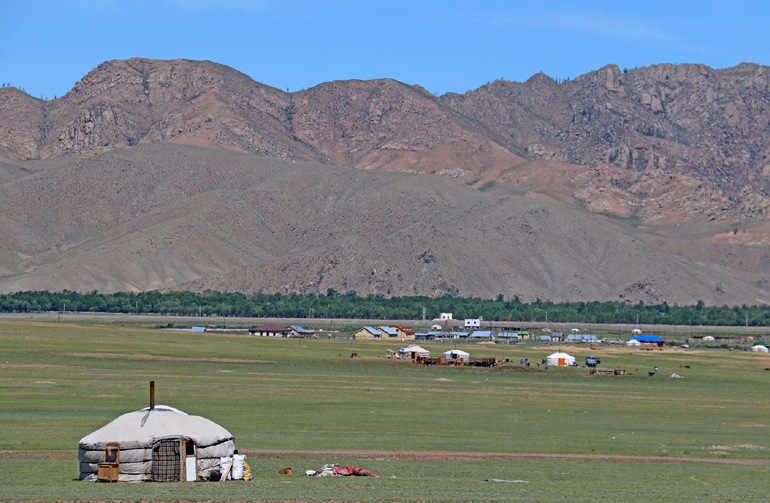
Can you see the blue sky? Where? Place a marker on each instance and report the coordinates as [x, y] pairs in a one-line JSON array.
[[447, 45]]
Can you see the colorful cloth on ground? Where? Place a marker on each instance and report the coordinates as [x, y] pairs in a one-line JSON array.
[[352, 470]]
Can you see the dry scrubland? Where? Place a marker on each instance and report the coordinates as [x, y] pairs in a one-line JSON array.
[[298, 403]]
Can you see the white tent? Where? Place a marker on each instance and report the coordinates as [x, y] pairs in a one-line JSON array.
[[633, 342], [457, 354], [708, 338], [760, 349], [412, 352], [162, 444], [560, 359], [636, 331]]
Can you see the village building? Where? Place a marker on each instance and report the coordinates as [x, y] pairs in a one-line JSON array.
[[367, 334], [582, 338], [387, 332], [404, 332], [481, 334], [270, 331], [298, 331], [647, 340], [472, 322]]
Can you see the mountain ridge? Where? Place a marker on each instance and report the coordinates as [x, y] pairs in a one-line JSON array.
[[675, 157]]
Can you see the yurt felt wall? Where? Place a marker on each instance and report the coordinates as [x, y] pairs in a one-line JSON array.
[[560, 359], [136, 432]]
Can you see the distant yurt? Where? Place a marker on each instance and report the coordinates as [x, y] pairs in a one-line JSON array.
[[413, 351], [457, 355], [159, 443], [708, 338], [636, 331], [760, 349], [560, 359], [633, 342]]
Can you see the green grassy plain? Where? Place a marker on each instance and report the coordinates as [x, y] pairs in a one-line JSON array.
[[60, 381]]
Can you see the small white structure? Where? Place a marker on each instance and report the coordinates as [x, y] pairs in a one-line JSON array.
[[708, 338], [560, 359], [413, 351], [436, 327], [472, 322], [636, 331], [760, 349], [633, 342], [575, 330], [446, 316], [458, 354]]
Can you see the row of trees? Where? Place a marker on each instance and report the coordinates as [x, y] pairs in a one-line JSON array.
[[350, 305]]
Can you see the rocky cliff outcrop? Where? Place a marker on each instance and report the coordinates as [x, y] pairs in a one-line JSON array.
[[659, 144], [686, 122]]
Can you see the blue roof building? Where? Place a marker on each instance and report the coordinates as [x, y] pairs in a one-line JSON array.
[[649, 339], [388, 332]]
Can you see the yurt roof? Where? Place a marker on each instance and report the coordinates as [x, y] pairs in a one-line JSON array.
[[414, 348], [560, 355], [459, 352], [138, 430]]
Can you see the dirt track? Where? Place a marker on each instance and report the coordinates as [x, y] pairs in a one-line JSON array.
[[429, 456], [471, 456]]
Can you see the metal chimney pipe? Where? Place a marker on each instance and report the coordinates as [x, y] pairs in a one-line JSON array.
[[152, 395]]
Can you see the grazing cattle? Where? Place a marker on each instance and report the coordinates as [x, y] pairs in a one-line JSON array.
[[354, 355], [687, 366], [286, 471], [767, 368]]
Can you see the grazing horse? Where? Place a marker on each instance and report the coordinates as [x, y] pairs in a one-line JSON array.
[[687, 366], [354, 355]]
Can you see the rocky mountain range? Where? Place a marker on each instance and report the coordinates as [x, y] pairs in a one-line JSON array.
[[645, 184]]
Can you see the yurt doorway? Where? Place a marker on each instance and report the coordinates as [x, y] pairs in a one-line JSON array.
[[173, 460]]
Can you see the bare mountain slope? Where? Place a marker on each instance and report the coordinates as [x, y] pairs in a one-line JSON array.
[[663, 144], [172, 216]]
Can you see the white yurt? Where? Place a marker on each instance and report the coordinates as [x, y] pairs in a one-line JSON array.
[[636, 331], [708, 338], [413, 351], [560, 359], [633, 342], [760, 349], [457, 355], [160, 444]]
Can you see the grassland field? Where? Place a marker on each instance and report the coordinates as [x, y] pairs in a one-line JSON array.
[[304, 403]]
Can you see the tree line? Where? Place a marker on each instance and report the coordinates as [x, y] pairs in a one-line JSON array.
[[334, 304]]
